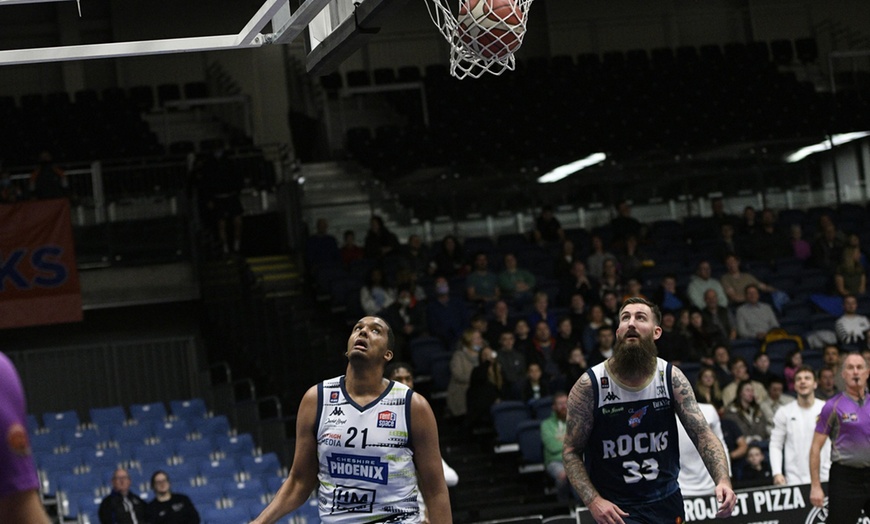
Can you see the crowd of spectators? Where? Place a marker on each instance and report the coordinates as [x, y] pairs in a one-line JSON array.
[[525, 320]]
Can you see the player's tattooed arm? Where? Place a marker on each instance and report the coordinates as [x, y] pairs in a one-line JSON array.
[[709, 446], [578, 428]]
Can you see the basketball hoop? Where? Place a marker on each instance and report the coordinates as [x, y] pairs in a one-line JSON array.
[[483, 35]]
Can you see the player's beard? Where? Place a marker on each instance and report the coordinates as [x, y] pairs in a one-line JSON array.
[[635, 359]]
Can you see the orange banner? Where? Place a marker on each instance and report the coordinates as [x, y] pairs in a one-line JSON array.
[[39, 283]]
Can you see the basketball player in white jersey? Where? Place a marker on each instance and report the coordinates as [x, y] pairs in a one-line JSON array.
[[367, 444], [621, 448]]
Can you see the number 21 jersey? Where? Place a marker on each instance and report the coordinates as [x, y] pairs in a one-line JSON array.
[[367, 472]]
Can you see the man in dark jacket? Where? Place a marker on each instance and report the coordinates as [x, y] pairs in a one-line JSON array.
[[122, 506]]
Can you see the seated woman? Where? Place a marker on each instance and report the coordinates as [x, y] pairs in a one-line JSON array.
[[375, 295], [849, 277], [746, 412]]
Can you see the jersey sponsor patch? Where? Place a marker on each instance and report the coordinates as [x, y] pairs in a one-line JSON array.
[[333, 397], [357, 467], [387, 419], [353, 500], [636, 417], [16, 439], [605, 382], [849, 417]]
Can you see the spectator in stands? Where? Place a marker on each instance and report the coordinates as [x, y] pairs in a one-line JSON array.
[[722, 365], [480, 323], [595, 261], [221, 187], [122, 506], [633, 288], [534, 386], [577, 312], [168, 507], [566, 341], [718, 216], [700, 339], [499, 322], [548, 230], [576, 367], [463, 361], [748, 223], [849, 277], [851, 327], [631, 258], [727, 243], [793, 361], [610, 281], [486, 387], [379, 240], [831, 357], [445, 315], [415, 257], [604, 348], [544, 353], [515, 284], [47, 180], [9, 191], [671, 345], [552, 436], [717, 319], [513, 364], [756, 469], [828, 247], [740, 373], [596, 320], [776, 397], [450, 260], [407, 317], [792, 434], [321, 248], [624, 225], [350, 251], [800, 247], [768, 242], [761, 369], [707, 389], [522, 336], [610, 304], [19, 480], [700, 282], [481, 284], [827, 384], [579, 282], [754, 318], [541, 312], [406, 277], [747, 413], [564, 262], [734, 282], [667, 296], [375, 295]]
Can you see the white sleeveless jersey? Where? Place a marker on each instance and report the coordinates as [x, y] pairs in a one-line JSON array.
[[367, 472]]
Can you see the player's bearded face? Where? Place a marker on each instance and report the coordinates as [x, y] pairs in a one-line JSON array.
[[636, 356]]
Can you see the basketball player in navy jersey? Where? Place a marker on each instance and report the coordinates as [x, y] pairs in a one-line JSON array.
[[621, 448], [367, 444]]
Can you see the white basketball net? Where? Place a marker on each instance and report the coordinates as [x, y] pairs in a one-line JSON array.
[[482, 39]]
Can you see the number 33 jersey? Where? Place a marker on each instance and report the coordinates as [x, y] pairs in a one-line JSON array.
[[367, 472], [633, 455]]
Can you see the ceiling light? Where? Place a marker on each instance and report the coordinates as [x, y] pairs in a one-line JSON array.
[[569, 169], [836, 140]]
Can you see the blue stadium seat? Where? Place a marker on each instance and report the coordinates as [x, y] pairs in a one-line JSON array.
[[423, 350], [195, 450], [746, 348], [542, 407], [204, 496], [308, 513], [110, 416], [237, 445], [134, 434], [194, 408], [249, 489], [529, 439], [180, 474], [440, 373], [231, 515], [154, 411], [273, 484], [87, 507], [106, 459], [83, 438], [174, 430], [214, 426], [58, 420], [265, 464], [157, 453], [46, 442], [226, 468], [32, 424], [506, 417]]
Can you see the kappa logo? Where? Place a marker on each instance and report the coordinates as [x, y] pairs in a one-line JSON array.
[[333, 397], [387, 419], [611, 396], [636, 417], [337, 412]]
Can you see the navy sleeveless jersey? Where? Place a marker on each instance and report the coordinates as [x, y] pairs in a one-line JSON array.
[[633, 456]]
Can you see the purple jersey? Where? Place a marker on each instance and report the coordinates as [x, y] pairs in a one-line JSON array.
[[17, 470], [848, 425]]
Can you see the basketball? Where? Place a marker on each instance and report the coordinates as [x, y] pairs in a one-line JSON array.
[[491, 28]]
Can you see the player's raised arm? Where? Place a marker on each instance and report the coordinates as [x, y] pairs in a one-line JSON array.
[[427, 460], [578, 428], [303, 474], [708, 445]]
